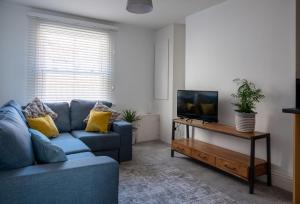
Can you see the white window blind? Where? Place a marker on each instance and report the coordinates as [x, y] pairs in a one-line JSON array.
[[69, 62]]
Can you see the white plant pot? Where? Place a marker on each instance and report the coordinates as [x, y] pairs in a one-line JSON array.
[[134, 131], [245, 122]]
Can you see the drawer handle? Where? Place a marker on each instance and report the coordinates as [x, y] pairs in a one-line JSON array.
[[230, 168]]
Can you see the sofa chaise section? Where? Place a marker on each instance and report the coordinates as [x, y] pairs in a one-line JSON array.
[[117, 143], [82, 180]]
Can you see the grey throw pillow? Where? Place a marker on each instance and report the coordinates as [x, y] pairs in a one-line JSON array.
[[37, 109]]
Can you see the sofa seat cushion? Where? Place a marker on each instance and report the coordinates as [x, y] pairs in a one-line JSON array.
[[109, 153], [80, 155], [98, 141], [62, 121], [69, 144]]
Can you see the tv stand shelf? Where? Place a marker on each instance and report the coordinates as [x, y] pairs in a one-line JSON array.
[[240, 165], [220, 128]]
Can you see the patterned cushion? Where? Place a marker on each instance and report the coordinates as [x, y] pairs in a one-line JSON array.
[[100, 107], [37, 109]]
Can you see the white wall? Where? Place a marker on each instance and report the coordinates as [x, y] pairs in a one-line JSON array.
[[13, 34], [134, 72], [164, 107], [133, 66], [167, 108], [179, 63], [252, 39]]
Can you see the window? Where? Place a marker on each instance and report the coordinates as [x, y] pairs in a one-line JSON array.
[[67, 62]]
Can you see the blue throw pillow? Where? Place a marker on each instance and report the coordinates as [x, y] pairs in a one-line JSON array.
[[15, 144], [45, 151]]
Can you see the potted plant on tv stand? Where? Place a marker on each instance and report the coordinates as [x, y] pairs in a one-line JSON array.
[[246, 98]]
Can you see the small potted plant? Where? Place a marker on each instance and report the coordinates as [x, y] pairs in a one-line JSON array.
[[131, 117], [246, 98]]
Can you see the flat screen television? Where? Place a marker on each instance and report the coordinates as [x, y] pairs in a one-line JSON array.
[[201, 105]]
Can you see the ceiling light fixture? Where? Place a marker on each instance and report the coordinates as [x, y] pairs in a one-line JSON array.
[[139, 6]]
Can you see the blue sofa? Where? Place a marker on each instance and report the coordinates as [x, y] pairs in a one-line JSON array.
[[90, 175], [117, 143]]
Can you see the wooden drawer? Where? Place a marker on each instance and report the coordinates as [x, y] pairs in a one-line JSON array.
[[204, 157], [261, 169], [232, 167], [182, 149]]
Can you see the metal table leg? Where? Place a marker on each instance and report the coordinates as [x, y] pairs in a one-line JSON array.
[[269, 175], [187, 131], [252, 167], [173, 137]]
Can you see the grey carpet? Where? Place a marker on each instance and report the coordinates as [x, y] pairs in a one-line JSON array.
[[154, 177], [151, 184]]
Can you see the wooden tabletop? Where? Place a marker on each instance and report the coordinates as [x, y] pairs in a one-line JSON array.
[[221, 128]]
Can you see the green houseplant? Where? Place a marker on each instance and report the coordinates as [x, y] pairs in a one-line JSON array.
[[246, 98], [132, 117]]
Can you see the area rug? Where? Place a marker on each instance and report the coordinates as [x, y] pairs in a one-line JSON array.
[[153, 184]]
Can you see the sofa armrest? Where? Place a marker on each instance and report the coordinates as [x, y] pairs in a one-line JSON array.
[[125, 130], [87, 180]]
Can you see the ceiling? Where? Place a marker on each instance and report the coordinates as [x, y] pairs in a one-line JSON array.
[[165, 11]]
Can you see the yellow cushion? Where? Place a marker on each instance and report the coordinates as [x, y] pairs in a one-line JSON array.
[[44, 124], [98, 121]]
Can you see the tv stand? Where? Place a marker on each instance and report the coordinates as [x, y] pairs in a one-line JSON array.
[[240, 165]]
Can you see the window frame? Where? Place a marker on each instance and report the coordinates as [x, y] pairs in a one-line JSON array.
[[34, 21]]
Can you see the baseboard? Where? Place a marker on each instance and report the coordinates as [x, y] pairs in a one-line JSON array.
[[165, 140], [281, 180]]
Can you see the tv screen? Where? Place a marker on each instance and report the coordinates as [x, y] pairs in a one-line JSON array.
[[201, 105]]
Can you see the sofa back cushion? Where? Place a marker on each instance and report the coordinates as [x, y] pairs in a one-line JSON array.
[[62, 121], [18, 107], [80, 110], [15, 142]]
